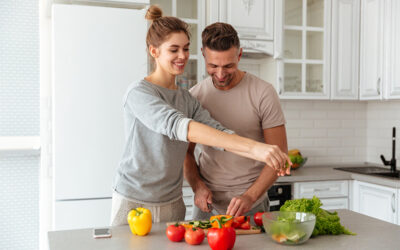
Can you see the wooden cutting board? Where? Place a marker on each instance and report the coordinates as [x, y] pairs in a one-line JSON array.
[[253, 230]]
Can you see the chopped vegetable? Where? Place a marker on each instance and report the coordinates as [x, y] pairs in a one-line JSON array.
[[326, 222]]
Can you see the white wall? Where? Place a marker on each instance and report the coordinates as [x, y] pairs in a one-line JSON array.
[[327, 131], [381, 117]]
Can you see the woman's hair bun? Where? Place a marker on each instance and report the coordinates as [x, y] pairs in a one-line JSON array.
[[153, 13]]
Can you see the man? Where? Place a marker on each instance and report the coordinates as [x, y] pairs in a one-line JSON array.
[[224, 183]]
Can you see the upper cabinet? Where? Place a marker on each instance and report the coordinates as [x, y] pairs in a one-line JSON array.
[[252, 19], [392, 53], [345, 49], [379, 50], [303, 48], [371, 49], [193, 13]]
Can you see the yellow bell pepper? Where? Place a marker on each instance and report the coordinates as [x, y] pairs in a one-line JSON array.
[[225, 220], [139, 220]]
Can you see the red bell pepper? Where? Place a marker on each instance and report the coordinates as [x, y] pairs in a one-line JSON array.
[[221, 238]]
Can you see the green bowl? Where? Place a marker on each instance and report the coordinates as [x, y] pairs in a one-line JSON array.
[[301, 164], [289, 228]]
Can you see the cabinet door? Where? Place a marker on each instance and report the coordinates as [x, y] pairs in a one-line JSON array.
[[345, 49], [376, 201], [392, 50], [188, 196], [371, 53], [253, 19], [303, 65]]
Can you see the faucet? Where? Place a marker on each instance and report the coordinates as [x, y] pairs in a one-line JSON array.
[[392, 162]]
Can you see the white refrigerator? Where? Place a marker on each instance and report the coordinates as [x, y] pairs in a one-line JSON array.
[[97, 52]]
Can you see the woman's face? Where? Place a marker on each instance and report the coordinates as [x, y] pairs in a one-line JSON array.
[[173, 53]]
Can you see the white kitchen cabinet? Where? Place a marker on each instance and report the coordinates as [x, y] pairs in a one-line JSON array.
[[371, 49], [376, 201], [303, 48], [345, 49], [252, 19], [335, 203], [188, 199], [333, 194], [398, 206], [193, 13], [379, 50], [391, 72]]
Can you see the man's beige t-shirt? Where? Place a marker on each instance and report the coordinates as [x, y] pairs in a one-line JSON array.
[[247, 109]]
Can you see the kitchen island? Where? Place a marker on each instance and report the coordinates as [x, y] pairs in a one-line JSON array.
[[371, 234]]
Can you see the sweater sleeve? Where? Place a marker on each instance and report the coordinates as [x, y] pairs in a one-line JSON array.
[[157, 115]]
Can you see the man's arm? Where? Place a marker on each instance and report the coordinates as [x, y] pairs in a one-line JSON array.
[[202, 195], [242, 204], [269, 154]]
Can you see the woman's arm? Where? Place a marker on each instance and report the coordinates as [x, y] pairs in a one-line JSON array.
[[270, 154]]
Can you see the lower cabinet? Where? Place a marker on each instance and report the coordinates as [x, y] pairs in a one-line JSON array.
[[188, 199], [333, 194], [376, 201]]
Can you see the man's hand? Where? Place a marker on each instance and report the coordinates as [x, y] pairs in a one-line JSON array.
[[239, 205], [203, 197]]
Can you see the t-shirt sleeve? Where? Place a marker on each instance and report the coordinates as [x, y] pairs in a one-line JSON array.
[[201, 115], [270, 109], [156, 114]]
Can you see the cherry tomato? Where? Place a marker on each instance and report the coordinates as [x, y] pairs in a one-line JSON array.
[[258, 218], [194, 236], [175, 232]]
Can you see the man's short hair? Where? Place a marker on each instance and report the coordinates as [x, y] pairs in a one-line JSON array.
[[220, 37]]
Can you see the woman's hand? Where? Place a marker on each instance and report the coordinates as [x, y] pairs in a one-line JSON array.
[[273, 157]]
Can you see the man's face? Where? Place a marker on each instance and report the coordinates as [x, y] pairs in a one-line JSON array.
[[222, 66]]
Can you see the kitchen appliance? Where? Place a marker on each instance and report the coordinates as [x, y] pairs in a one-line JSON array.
[[278, 194], [97, 52]]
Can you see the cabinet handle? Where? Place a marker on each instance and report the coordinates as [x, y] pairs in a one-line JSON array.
[[321, 189], [378, 87], [393, 205], [280, 85]]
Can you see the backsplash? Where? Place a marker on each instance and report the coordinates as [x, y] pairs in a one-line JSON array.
[[381, 117], [327, 131]]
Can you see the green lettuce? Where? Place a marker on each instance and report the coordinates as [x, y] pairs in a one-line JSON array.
[[326, 222]]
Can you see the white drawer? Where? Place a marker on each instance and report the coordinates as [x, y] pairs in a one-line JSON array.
[[189, 213], [335, 203], [187, 191], [321, 189]]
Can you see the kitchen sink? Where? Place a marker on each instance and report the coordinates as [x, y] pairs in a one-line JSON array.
[[376, 171], [391, 174]]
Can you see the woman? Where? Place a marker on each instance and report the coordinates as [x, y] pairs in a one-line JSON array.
[[160, 120]]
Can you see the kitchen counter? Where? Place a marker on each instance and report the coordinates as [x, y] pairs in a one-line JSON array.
[[371, 234], [328, 173]]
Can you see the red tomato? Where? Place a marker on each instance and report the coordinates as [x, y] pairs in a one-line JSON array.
[[194, 236], [221, 238], [258, 218], [175, 232], [245, 225]]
